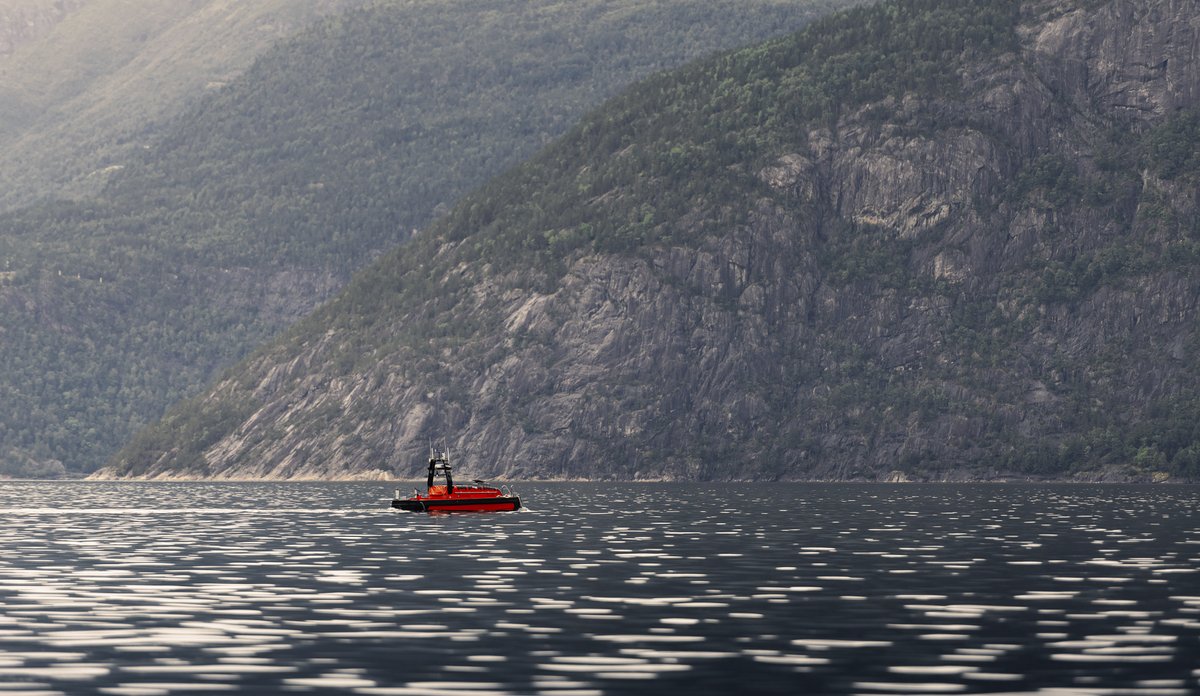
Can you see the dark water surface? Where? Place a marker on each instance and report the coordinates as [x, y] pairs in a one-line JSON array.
[[135, 589]]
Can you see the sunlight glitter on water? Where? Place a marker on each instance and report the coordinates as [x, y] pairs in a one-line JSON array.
[[819, 589]]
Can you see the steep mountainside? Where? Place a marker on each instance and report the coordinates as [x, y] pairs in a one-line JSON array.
[[22, 21], [88, 82], [929, 239], [255, 205]]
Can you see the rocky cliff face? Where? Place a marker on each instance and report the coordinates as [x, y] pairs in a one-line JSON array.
[[993, 279], [217, 227]]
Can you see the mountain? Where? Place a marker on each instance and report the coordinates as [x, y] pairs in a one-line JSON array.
[[22, 21], [929, 239], [86, 83], [244, 211]]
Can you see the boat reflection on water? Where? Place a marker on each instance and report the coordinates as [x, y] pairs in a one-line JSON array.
[[447, 497]]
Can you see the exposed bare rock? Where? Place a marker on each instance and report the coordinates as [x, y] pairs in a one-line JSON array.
[[953, 286]]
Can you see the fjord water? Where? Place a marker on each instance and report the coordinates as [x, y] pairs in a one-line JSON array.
[[154, 588]]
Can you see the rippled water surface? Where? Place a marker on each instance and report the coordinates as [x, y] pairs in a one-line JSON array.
[[137, 589]]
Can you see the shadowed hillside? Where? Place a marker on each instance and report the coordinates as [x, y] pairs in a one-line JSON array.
[[242, 213], [934, 240]]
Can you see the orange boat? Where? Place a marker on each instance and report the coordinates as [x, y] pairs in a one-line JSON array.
[[447, 497]]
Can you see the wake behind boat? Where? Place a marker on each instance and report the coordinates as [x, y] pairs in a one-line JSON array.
[[447, 497]]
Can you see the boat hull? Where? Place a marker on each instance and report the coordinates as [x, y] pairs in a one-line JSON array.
[[451, 504]]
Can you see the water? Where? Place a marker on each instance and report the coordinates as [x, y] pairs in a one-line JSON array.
[[136, 589]]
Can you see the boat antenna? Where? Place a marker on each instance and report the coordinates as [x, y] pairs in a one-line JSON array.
[[440, 409]]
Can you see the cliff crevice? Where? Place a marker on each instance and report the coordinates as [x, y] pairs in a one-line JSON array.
[[994, 278]]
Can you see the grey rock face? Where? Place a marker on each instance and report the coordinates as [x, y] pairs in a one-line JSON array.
[[752, 354]]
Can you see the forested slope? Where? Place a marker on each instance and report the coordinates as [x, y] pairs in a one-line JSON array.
[[87, 82], [248, 209], [928, 239]]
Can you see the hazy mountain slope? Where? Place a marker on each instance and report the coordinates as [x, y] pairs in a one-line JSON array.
[[22, 21], [87, 91], [928, 239], [254, 205]]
